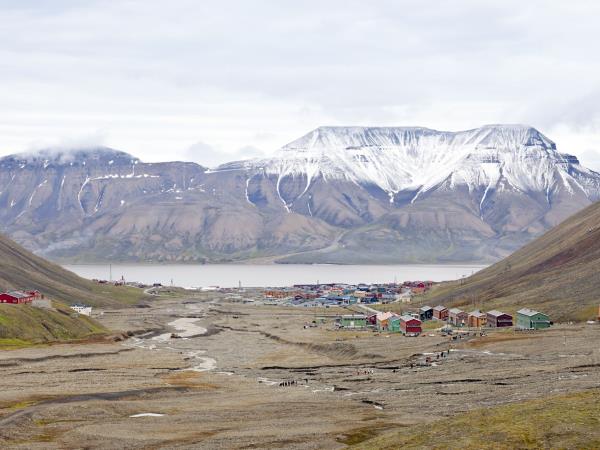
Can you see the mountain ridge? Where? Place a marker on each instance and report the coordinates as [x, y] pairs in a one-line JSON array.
[[422, 195]]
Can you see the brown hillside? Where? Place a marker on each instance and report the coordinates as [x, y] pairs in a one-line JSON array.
[[21, 269], [558, 273]]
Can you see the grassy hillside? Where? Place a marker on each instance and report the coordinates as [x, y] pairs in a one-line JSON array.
[[557, 273], [24, 325], [566, 421], [21, 269]]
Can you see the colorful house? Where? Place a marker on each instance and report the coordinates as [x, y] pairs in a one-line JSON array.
[[394, 324], [82, 309], [440, 312], [458, 317], [18, 297], [410, 326], [477, 319], [353, 321], [498, 319], [383, 320], [528, 319], [425, 313]]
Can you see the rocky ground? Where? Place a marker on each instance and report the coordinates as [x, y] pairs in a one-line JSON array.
[[241, 376]]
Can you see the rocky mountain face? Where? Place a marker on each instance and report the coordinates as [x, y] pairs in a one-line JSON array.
[[338, 194]]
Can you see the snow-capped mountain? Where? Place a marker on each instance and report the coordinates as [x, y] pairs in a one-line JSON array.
[[337, 194], [418, 160]]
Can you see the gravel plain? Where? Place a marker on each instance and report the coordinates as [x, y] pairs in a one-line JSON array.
[[241, 376]]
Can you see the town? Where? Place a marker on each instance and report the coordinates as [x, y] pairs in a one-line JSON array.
[[362, 299]]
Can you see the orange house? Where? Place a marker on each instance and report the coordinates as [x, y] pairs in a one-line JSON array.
[[477, 319]]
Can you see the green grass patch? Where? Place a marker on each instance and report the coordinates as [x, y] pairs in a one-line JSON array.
[[566, 421], [26, 325], [13, 343]]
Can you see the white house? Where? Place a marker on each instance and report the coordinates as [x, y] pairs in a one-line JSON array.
[[82, 309]]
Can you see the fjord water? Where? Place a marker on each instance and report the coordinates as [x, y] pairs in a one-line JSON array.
[[230, 275]]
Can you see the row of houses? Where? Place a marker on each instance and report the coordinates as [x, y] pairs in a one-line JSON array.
[[527, 319], [384, 321], [347, 294], [20, 297]]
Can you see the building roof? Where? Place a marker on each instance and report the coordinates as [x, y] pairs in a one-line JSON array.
[[354, 316], [496, 313], [18, 294], [426, 308], [528, 312], [406, 318], [385, 316], [455, 311], [477, 313], [439, 308]]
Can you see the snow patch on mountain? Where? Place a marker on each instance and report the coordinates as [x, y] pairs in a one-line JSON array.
[[417, 159]]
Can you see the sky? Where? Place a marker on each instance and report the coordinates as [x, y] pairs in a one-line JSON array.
[[214, 81]]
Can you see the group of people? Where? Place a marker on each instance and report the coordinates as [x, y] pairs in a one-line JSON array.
[[429, 359], [287, 383]]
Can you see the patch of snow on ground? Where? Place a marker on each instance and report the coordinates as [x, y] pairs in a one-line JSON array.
[[147, 415]]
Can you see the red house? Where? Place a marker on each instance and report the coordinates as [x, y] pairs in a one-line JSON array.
[[410, 326], [440, 312], [17, 297]]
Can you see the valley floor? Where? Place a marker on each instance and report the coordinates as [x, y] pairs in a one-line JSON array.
[[218, 386]]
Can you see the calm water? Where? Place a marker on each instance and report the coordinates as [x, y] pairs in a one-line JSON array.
[[228, 275]]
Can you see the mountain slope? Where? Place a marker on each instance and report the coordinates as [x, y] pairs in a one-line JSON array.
[[337, 194], [20, 269], [556, 273], [24, 325]]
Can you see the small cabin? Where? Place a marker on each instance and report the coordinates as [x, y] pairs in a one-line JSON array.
[[17, 297], [353, 321], [383, 320], [477, 319], [458, 317], [425, 313], [529, 319], [440, 312], [498, 319], [410, 326]]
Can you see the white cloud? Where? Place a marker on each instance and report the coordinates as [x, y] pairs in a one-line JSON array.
[[158, 79]]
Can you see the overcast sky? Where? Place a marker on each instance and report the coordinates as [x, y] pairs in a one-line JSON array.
[[218, 80]]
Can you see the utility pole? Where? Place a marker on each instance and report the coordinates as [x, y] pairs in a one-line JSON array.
[[110, 272]]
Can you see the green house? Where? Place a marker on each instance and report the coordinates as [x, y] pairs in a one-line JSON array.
[[353, 321], [528, 319], [394, 324]]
